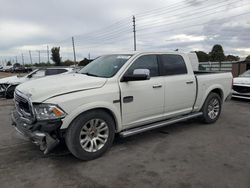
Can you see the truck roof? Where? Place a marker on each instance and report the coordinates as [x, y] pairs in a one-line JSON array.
[[142, 52]]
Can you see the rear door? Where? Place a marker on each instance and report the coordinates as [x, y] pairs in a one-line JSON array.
[[143, 101], [180, 85]]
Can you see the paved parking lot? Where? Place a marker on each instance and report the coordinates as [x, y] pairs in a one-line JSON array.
[[183, 155]]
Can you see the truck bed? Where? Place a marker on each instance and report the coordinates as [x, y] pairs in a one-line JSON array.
[[207, 81], [207, 72]]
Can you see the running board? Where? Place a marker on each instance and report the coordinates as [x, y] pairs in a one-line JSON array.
[[148, 127]]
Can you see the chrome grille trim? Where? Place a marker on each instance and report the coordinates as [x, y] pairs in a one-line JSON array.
[[26, 114]]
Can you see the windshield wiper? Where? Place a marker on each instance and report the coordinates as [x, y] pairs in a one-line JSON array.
[[89, 74]]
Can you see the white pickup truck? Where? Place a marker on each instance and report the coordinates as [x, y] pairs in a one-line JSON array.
[[121, 94]]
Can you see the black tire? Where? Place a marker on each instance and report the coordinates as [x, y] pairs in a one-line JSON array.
[[73, 134], [9, 94], [212, 98]]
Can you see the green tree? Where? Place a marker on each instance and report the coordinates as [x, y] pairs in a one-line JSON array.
[[202, 56], [8, 63], [247, 58], [84, 62], [232, 58], [55, 55], [68, 62], [217, 53]]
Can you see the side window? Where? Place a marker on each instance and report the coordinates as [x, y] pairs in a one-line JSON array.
[[54, 71], [145, 62], [38, 74], [173, 64], [59, 71]]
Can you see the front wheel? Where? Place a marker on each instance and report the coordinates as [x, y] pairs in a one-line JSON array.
[[90, 135], [211, 108]]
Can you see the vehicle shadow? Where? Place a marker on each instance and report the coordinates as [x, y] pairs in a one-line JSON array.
[[61, 150], [241, 100]]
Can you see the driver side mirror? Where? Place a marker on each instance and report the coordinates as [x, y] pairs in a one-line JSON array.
[[138, 74]]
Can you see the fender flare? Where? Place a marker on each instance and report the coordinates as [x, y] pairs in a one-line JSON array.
[[92, 106]]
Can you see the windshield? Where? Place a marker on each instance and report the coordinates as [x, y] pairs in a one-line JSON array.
[[246, 74], [105, 66]]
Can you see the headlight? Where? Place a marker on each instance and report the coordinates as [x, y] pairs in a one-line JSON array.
[[48, 112]]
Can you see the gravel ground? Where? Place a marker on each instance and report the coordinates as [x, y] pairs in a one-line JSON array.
[[6, 74], [183, 155]]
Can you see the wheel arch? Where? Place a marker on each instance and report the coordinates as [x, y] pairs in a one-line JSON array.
[[214, 89], [112, 112], [219, 92]]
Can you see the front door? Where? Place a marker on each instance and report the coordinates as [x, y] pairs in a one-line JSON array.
[[143, 101]]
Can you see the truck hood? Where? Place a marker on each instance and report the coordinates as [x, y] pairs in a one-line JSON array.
[[41, 89], [12, 80], [242, 81]]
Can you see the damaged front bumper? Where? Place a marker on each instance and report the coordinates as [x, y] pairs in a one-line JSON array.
[[45, 134], [3, 89]]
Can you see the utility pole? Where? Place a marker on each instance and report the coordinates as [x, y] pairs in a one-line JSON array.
[[30, 57], [89, 56], [16, 59], [39, 57], [48, 52], [22, 59], [73, 44], [134, 31]]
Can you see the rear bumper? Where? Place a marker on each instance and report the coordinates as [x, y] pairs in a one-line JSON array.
[[38, 133]]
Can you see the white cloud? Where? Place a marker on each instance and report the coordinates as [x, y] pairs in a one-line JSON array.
[[187, 38], [39, 23], [15, 30]]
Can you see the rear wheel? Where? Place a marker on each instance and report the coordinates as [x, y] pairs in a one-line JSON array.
[[90, 135], [211, 108]]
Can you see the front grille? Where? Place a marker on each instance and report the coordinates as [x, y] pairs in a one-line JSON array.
[[23, 106], [241, 89]]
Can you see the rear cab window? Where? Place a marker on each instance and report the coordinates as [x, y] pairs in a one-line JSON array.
[[173, 64]]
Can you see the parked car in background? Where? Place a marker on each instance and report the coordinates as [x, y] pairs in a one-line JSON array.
[[21, 69], [121, 94], [241, 86], [7, 68], [8, 84]]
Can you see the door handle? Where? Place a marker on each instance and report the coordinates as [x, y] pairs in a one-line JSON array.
[[157, 86], [128, 99], [189, 82]]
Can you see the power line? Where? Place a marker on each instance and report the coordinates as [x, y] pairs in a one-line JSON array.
[[189, 19], [194, 12], [165, 8], [184, 20], [196, 25]]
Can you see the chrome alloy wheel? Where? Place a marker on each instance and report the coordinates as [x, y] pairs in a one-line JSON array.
[[213, 108], [94, 135]]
